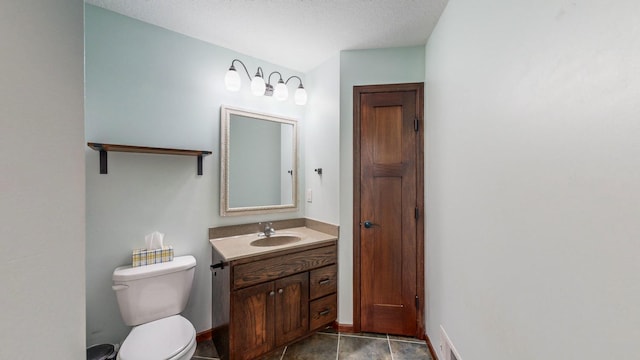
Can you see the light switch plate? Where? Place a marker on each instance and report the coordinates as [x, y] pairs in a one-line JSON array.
[[309, 195]]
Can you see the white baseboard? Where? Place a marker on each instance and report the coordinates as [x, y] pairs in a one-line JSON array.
[[446, 348]]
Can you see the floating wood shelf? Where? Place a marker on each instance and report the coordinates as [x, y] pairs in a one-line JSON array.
[[104, 148]]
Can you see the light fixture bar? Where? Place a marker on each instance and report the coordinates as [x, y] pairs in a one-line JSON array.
[[260, 88]]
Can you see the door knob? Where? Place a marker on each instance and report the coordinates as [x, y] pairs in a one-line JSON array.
[[369, 224]]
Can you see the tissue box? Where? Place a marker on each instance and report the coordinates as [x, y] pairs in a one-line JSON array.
[[142, 257]]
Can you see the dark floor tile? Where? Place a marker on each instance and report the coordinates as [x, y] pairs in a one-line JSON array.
[[357, 348], [315, 347], [406, 338], [206, 349], [403, 350], [328, 330], [276, 355], [366, 335]]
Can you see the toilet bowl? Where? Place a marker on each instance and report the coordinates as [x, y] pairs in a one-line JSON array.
[[150, 299], [172, 338]]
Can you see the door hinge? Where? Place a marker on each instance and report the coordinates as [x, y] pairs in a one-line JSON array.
[[417, 302], [417, 213], [416, 124]]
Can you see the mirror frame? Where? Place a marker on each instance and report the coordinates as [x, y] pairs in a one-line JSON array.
[[225, 118]]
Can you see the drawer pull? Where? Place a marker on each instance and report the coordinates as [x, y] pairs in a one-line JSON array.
[[324, 312], [324, 282]]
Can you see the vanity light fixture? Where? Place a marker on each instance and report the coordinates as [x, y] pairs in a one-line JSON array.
[[259, 88]]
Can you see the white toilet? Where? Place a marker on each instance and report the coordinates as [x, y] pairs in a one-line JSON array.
[[150, 299]]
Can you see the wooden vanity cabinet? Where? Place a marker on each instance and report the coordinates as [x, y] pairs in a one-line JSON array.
[[264, 302]]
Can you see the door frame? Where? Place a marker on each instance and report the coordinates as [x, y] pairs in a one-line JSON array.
[[358, 91]]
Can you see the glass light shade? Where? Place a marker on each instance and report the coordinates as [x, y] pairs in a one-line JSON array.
[[232, 80], [281, 92], [300, 96], [258, 86]]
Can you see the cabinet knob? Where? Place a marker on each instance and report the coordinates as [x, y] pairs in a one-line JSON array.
[[271, 293], [280, 291]]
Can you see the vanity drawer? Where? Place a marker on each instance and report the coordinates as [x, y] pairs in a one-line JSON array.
[[272, 268], [323, 311], [323, 281]]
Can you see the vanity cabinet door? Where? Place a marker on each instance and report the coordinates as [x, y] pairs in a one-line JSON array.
[[292, 307], [253, 320]]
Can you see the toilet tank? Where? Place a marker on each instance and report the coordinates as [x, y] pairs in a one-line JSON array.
[[152, 292]]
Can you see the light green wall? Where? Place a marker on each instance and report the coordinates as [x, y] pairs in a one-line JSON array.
[[363, 67], [152, 87], [322, 141], [149, 86]]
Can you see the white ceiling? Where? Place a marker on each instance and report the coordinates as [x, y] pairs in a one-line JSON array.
[[297, 34]]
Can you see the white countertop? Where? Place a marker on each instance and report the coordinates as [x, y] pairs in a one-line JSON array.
[[237, 247]]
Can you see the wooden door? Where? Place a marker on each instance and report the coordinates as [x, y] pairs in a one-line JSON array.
[[253, 316], [389, 203], [292, 307]]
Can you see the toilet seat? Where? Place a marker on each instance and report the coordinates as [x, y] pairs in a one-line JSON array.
[[169, 338]]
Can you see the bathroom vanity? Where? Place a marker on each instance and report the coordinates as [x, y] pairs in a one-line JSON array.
[[269, 295]]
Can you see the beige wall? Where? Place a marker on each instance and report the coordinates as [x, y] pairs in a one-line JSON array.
[[533, 179], [42, 226]]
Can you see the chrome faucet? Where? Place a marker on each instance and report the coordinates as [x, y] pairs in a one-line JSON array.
[[268, 229]]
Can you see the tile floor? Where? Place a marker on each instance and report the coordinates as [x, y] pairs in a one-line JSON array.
[[328, 344]]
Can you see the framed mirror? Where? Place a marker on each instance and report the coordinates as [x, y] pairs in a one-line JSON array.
[[259, 163]]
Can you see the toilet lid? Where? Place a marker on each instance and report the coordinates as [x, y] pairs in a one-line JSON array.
[[160, 339]]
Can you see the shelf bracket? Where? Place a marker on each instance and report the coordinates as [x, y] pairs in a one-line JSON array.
[[103, 161], [199, 164]]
